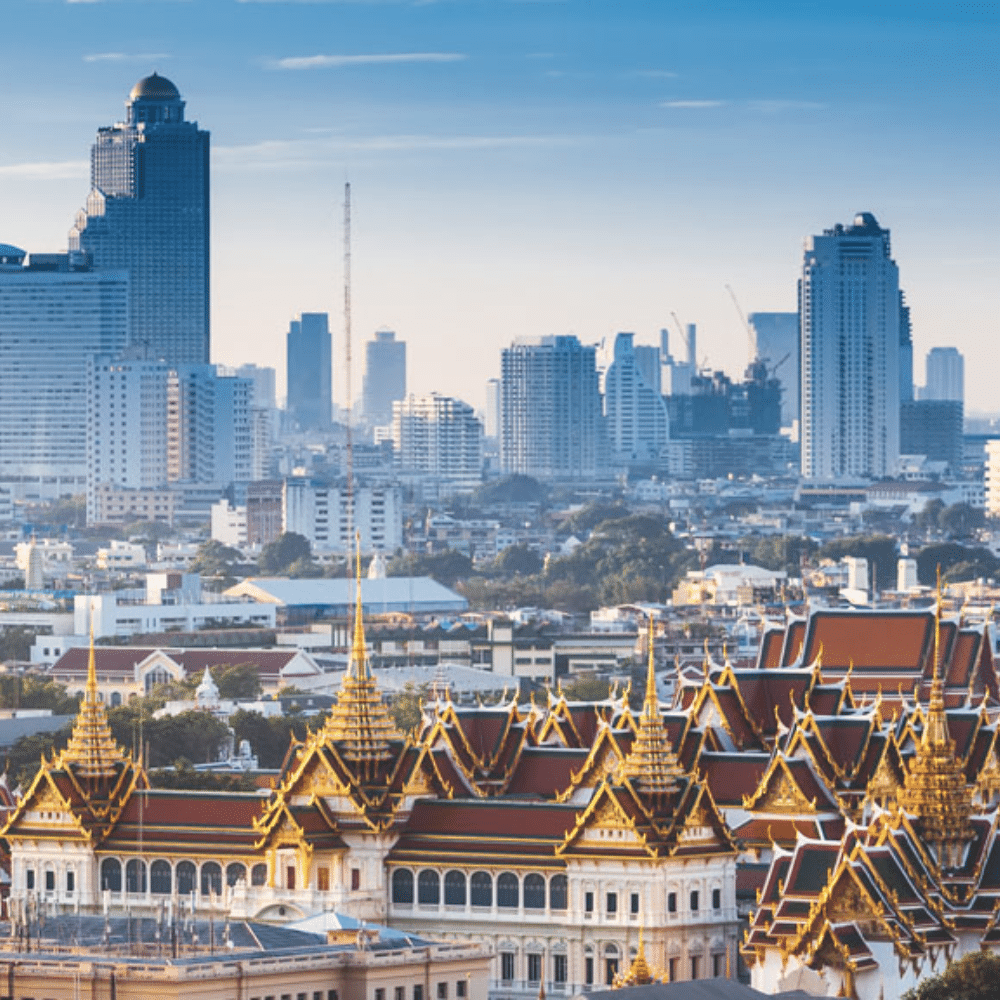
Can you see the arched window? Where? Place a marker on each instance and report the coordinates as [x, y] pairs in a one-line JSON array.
[[508, 891], [402, 886], [454, 889], [258, 875], [186, 873], [111, 874], [135, 876], [534, 892], [158, 675], [161, 878], [429, 887], [235, 872], [116, 699], [211, 878], [557, 892], [481, 889]]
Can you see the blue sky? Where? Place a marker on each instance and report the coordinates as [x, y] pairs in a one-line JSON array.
[[525, 167]]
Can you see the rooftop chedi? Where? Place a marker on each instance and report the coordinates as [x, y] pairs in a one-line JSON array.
[[360, 723], [935, 791], [651, 766]]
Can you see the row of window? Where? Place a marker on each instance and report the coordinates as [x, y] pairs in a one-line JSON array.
[[478, 889], [163, 879], [560, 967]]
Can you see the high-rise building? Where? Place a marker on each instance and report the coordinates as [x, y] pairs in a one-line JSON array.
[[263, 417], [849, 309], [550, 413], [932, 428], [310, 372], [208, 426], [635, 413], [148, 213], [439, 437], [491, 425], [905, 352], [325, 514], [945, 374], [385, 377], [55, 313], [777, 338]]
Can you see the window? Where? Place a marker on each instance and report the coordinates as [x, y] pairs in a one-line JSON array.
[[588, 902], [557, 892], [135, 876], [461, 988], [402, 886], [695, 966], [70, 881], [442, 991], [160, 878], [508, 891], [717, 965], [186, 873], [399, 993], [534, 892], [534, 967], [612, 903], [454, 889], [211, 878], [323, 878], [634, 903], [418, 992], [481, 889], [111, 875], [588, 970], [355, 879], [301, 996], [610, 970], [258, 876], [671, 902], [716, 899], [672, 970], [507, 966], [235, 872], [559, 969], [429, 887], [379, 993], [50, 880], [694, 900]]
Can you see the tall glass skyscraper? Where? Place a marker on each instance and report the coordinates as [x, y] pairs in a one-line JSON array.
[[310, 372], [148, 213]]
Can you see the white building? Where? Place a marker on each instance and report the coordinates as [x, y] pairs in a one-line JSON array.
[[635, 413], [321, 513], [945, 374], [121, 555], [229, 524], [126, 426], [439, 437], [55, 312], [57, 557], [850, 312], [993, 478]]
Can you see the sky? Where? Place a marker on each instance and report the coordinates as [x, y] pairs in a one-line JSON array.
[[521, 168]]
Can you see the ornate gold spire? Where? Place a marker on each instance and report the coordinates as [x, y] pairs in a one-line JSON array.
[[92, 752], [360, 723], [639, 972], [935, 790], [651, 765]]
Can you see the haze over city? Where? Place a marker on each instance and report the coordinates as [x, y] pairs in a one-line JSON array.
[[522, 169]]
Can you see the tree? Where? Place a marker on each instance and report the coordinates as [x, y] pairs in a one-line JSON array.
[[184, 776], [277, 556], [237, 681], [447, 566], [511, 489], [879, 550], [974, 977], [16, 642], [957, 562], [961, 520], [269, 738], [24, 755], [216, 559], [405, 707], [587, 687], [517, 560], [33, 691]]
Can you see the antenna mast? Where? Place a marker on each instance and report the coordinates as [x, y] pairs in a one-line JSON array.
[[347, 366]]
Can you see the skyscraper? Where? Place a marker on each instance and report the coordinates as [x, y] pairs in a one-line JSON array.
[[551, 425], [148, 213], [635, 413], [310, 372], [439, 437], [850, 328], [945, 374], [385, 377], [55, 312]]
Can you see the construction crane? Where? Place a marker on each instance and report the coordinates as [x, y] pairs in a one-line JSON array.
[[683, 333], [751, 338], [347, 371]]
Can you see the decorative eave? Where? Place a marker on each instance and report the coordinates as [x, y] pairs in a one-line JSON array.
[[589, 776]]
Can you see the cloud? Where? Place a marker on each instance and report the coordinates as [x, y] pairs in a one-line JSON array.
[[370, 59], [55, 171], [123, 56], [692, 104]]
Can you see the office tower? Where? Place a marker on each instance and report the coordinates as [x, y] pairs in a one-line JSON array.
[[932, 428], [635, 414], [126, 426], [438, 437], [385, 377], [777, 338], [849, 308], [55, 312], [208, 426], [491, 425], [148, 213], [550, 412], [945, 374], [310, 372], [905, 352]]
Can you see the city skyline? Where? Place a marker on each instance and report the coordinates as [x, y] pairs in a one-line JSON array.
[[532, 169]]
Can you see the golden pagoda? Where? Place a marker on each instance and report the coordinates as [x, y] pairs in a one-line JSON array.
[[638, 973], [651, 766], [360, 724], [935, 791], [92, 753]]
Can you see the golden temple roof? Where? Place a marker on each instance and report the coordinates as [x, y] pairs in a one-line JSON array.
[[360, 723], [651, 765]]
